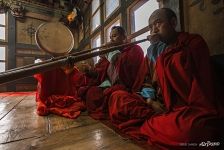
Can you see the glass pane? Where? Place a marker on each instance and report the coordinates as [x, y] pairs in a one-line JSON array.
[[108, 30], [2, 53], [140, 15], [2, 66], [96, 20], [144, 45], [95, 5], [2, 19], [2, 33], [111, 5], [96, 42]]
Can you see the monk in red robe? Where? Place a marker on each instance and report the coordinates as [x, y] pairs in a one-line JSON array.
[[124, 72], [57, 92], [192, 113]]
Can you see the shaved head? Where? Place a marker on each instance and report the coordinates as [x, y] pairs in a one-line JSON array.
[[162, 23], [162, 13]]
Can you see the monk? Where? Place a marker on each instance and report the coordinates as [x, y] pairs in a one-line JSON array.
[[57, 92], [123, 72], [183, 72]]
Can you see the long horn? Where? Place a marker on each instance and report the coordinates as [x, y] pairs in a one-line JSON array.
[[59, 61], [55, 58]]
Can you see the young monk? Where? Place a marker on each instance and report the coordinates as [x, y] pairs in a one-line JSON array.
[[57, 92], [184, 76], [123, 72]]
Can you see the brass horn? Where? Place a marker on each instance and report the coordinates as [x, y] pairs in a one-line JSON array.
[[62, 57]]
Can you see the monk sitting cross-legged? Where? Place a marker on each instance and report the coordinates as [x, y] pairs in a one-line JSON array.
[[122, 73], [192, 112]]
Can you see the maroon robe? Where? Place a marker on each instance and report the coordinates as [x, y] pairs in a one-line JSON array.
[[185, 79], [129, 66], [57, 93]]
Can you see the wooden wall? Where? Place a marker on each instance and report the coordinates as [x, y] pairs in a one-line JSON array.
[[22, 49], [206, 20]]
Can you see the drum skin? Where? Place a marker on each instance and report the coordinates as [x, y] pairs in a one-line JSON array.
[[54, 38]]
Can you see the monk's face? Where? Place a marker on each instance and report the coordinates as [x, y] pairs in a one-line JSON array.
[[162, 26], [116, 37]]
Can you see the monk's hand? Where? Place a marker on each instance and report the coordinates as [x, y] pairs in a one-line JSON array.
[[153, 38], [156, 106]]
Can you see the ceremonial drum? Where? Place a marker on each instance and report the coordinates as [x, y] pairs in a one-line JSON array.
[[54, 38]]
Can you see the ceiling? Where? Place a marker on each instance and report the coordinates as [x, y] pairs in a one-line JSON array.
[[66, 5]]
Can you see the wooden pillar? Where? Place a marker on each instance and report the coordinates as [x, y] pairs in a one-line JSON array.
[[11, 60], [102, 20], [124, 14]]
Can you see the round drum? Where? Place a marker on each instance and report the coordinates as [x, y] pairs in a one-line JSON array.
[[54, 38]]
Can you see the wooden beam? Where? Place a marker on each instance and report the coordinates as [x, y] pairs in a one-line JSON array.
[[11, 60]]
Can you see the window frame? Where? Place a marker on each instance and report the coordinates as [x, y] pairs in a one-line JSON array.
[[92, 39], [4, 42], [6, 28], [130, 25], [4, 61], [114, 11], [92, 14], [110, 24], [132, 34]]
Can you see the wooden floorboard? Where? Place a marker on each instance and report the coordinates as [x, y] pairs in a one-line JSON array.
[[57, 123], [21, 128], [96, 136], [21, 122]]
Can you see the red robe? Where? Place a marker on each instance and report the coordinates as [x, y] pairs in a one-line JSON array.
[[185, 79], [57, 93], [129, 66], [100, 69]]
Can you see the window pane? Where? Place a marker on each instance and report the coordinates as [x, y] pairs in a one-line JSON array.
[[144, 45], [2, 66], [2, 53], [2, 19], [95, 5], [96, 42], [140, 15], [2, 33], [111, 5], [108, 30], [96, 20]]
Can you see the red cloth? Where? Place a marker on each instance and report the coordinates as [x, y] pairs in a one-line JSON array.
[[101, 69], [57, 93], [184, 75], [128, 111], [97, 100], [131, 69], [185, 78]]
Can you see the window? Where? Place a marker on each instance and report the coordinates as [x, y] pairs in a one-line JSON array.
[[2, 47], [96, 42], [2, 26], [111, 6], [2, 58], [95, 14], [139, 20], [115, 22]]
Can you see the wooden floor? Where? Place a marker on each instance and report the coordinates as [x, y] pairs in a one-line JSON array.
[[22, 129]]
